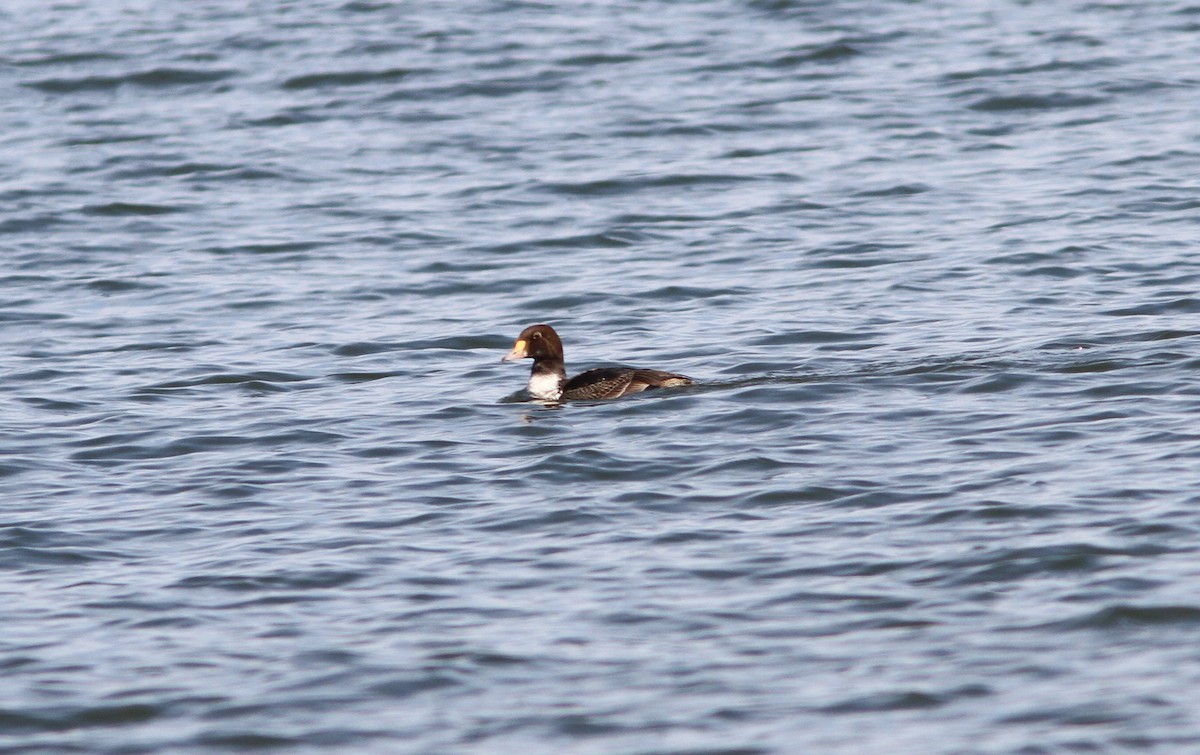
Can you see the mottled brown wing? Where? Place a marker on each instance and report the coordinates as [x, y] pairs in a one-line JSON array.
[[643, 379], [607, 382], [614, 382]]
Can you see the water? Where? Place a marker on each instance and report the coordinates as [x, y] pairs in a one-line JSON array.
[[266, 484]]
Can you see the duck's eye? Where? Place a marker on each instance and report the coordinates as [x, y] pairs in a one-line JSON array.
[[536, 336]]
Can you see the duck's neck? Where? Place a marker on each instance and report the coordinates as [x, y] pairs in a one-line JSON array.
[[547, 378]]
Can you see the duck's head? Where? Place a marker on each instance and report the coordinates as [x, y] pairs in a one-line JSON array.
[[536, 342]]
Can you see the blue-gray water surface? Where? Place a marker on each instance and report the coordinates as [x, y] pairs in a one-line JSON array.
[[265, 484]]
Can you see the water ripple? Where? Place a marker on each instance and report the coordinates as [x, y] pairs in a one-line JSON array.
[[153, 78]]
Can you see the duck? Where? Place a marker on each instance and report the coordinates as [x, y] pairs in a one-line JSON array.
[[548, 378]]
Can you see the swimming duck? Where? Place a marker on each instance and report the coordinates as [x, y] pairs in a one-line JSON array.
[[548, 378]]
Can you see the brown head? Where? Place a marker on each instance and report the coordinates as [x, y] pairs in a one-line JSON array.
[[536, 342]]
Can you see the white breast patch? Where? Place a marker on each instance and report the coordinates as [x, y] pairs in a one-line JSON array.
[[545, 387]]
